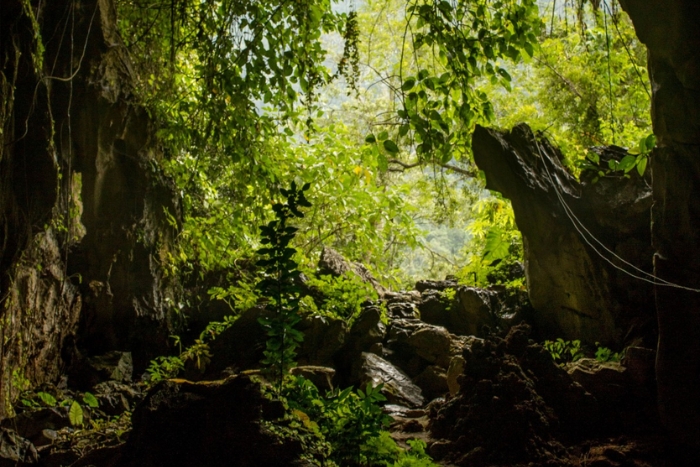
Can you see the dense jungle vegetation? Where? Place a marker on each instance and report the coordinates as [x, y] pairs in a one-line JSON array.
[[287, 126], [373, 104]]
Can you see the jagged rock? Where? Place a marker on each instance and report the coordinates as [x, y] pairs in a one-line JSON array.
[[471, 311], [367, 330], [414, 345], [423, 285], [454, 371], [30, 424], [183, 424], [576, 294], [432, 381], [512, 402], [403, 310], [115, 398], [82, 214], [323, 338], [472, 308], [434, 307], [85, 373], [15, 450], [332, 263], [398, 387], [669, 31]]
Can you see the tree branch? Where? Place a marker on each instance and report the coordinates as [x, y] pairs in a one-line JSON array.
[[409, 165]]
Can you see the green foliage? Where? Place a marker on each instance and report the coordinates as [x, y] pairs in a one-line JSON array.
[[47, 399], [75, 414], [347, 419], [587, 86], [564, 351], [464, 42], [165, 367], [495, 246], [279, 283], [90, 400], [415, 457], [343, 295], [604, 354], [239, 296], [353, 424]]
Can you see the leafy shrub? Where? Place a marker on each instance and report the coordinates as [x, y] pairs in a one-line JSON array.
[[564, 351], [343, 295], [604, 354], [165, 367], [280, 283], [353, 423]]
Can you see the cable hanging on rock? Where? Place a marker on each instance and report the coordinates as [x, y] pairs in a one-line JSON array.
[[581, 228]]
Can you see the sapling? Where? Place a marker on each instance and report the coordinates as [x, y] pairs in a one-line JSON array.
[[280, 284]]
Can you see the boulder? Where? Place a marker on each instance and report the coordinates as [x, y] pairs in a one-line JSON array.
[[434, 307], [31, 424], [575, 293], [432, 382], [323, 338], [625, 405], [472, 309], [605, 380], [221, 423], [332, 263], [413, 345], [115, 398], [15, 450], [397, 386], [366, 334]]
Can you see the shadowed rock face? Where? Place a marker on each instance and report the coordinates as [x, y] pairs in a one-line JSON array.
[[671, 31], [576, 293], [82, 223]]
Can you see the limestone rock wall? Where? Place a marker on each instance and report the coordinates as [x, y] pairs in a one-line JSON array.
[[575, 293], [82, 204], [671, 31]]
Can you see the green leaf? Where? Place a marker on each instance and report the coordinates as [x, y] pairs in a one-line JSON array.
[[642, 166], [650, 142], [391, 147], [75, 414], [383, 135], [627, 163], [496, 246], [408, 84], [90, 400], [47, 398]]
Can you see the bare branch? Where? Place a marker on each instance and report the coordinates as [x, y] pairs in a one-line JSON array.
[[409, 165]]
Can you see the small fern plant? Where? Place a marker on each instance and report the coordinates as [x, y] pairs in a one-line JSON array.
[[279, 284]]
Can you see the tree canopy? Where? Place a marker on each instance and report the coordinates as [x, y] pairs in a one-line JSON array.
[[373, 103]]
